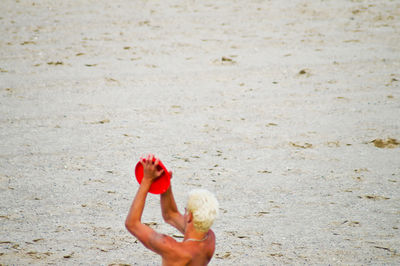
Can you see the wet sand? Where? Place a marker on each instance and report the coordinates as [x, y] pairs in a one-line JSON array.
[[287, 110]]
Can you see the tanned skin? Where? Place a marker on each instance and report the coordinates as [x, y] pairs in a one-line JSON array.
[[187, 252]]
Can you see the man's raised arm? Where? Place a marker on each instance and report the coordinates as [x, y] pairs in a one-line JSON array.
[[150, 238], [170, 212]]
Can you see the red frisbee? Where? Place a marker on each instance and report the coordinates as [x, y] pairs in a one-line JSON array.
[[161, 184]]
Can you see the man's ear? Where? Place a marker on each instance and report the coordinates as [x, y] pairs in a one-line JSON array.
[[190, 217]]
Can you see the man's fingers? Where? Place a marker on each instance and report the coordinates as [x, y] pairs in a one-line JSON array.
[[150, 160], [170, 174]]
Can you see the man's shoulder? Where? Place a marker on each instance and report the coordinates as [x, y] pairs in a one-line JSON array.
[[174, 251], [170, 244], [166, 239]]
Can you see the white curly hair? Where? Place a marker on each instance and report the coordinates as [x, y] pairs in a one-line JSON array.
[[204, 207]]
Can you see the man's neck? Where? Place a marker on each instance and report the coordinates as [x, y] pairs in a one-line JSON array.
[[193, 235]]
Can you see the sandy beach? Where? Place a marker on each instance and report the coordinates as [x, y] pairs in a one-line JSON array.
[[289, 111]]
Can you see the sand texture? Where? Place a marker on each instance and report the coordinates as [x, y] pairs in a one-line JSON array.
[[288, 110]]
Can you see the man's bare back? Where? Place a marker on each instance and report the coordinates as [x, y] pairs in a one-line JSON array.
[[190, 252]]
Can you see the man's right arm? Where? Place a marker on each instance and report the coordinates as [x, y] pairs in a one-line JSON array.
[[170, 212]]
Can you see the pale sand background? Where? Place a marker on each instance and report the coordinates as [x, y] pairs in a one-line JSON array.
[[86, 87]]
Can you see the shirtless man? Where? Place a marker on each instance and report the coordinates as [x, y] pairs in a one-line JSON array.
[[198, 245]]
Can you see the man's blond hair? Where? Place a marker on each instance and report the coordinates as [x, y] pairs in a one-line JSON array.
[[204, 207]]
